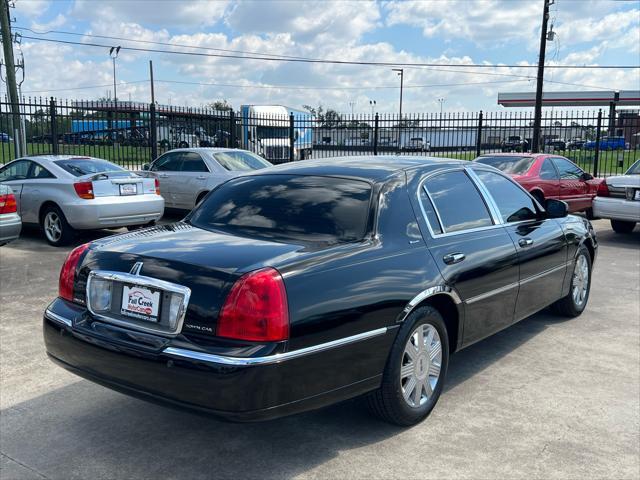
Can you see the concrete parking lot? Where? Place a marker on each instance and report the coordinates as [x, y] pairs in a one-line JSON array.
[[546, 398]]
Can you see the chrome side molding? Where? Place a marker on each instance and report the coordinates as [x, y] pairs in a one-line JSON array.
[[58, 318], [429, 292]]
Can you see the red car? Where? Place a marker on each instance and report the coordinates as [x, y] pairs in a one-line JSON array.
[[548, 176]]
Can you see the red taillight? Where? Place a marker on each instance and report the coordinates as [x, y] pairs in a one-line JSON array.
[[256, 308], [68, 272], [157, 186], [8, 203], [603, 189], [84, 190]]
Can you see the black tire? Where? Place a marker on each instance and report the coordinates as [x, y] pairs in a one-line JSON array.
[[589, 214], [567, 306], [55, 227], [621, 226], [388, 402], [200, 197]]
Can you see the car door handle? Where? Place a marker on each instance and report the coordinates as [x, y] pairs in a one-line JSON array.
[[163, 175], [451, 258], [201, 177], [525, 242]]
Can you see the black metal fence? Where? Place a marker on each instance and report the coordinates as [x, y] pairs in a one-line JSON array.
[[131, 134]]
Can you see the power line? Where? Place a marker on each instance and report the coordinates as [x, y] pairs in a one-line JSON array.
[[326, 61]]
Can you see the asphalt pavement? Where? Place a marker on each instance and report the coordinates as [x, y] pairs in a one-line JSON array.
[[546, 398]]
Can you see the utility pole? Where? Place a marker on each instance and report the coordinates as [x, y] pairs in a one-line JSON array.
[[153, 95], [401, 73], [537, 120], [12, 88], [113, 53]]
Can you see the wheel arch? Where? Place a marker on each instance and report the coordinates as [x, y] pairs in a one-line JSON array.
[[447, 302], [44, 206]]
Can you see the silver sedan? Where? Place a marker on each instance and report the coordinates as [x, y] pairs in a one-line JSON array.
[[10, 223], [64, 193], [186, 175]]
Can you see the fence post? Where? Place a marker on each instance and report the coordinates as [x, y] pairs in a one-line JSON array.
[[232, 129], [153, 131], [596, 155], [54, 126], [479, 135], [291, 138], [375, 135]]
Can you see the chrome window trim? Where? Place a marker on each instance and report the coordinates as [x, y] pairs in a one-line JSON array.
[[481, 191], [144, 282], [494, 211], [58, 318], [182, 353]]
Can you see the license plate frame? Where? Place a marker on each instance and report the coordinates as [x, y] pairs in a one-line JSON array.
[[127, 189], [141, 303]]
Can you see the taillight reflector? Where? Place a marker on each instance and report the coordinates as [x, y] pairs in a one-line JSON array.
[[84, 190], [603, 189], [157, 186], [68, 272], [8, 203], [256, 308]]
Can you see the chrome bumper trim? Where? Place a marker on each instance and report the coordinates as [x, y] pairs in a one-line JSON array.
[[57, 318], [182, 353]]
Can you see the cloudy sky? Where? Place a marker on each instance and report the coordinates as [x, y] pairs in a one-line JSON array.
[[448, 32]]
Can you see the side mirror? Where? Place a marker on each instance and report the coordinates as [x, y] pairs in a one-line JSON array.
[[586, 176], [556, 208], [146, 166]]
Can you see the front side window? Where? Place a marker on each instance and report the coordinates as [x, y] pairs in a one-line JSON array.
[[310, 209], [513, 164], [192, 162], [548, 171], [240, 161], [16, 171], [514, 204], [567, 170], [458, 202], [169, 162]]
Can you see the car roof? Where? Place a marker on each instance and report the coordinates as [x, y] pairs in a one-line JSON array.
[[53, 158], [514, 154], [372, 168], [206, 150]]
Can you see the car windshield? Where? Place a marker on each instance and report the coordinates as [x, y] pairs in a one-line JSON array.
[[513, 165], [86, 166], [309, 209], [634, 169], [241, 161]]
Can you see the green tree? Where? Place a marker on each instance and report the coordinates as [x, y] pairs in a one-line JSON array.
[[220, 106]]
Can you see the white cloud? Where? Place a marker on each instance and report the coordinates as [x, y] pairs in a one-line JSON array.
[[32, 8], [57, 22]]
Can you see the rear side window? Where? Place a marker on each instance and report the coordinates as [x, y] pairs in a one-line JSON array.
[[240, 161], [568, 170], [192, 162], [85, 166], [289, 207], [514, 204], [513, 165], [548, 171], [457, 202]]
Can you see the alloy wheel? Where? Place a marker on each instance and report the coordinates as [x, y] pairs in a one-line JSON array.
[[421, 365], [53, 226], [580, 281]]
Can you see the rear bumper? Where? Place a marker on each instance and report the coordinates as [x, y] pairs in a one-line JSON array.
[[210, 383], [10, 227], [111, 212], [616, 208]]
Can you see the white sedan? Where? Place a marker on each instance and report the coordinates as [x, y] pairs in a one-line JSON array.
[[618, 199], [63, 193]]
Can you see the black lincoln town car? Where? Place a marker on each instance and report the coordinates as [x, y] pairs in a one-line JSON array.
[[306, 284]]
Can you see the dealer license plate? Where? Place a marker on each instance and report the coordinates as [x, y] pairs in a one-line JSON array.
[[140, 303], [128, 189]]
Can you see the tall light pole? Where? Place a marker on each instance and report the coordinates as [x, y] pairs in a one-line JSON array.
[[373, 106], [113, 53], [537, 116], [352, 104], [401, 74], [441, 102]]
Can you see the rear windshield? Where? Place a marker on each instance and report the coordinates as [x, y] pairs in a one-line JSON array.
[[85, 166], [240, 161], [288, 207], [512, 165]]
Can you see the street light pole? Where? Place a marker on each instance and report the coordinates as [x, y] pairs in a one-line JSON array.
[[373, 106], [352, 104], [441, 101], [401, 74], [113, 53]]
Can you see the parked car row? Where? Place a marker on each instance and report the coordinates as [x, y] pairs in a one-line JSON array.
[[64, 194]]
